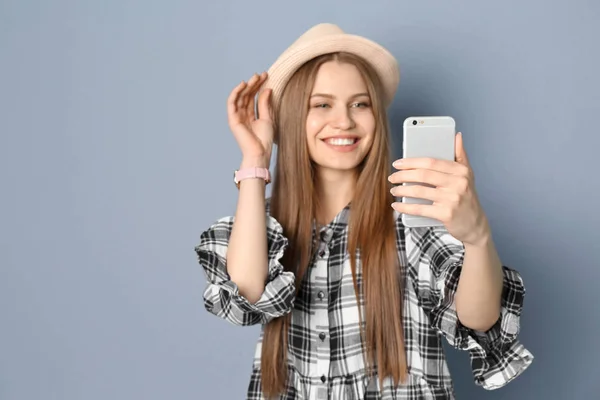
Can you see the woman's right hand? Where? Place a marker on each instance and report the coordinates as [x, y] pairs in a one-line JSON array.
[[253, 135]]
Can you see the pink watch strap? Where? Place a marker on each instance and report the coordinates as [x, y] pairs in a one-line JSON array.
[[251, 173]]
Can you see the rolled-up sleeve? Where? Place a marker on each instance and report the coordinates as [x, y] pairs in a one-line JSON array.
[[222, 297], [497, 356]]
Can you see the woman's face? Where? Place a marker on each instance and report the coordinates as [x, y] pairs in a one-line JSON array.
[[340, 124]]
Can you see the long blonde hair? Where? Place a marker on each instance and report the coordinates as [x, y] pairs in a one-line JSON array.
[[371, 228]]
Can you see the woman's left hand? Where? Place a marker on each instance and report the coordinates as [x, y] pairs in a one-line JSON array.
[[452, 191]]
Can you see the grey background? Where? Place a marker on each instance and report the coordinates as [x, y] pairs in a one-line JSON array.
[[115, 155]]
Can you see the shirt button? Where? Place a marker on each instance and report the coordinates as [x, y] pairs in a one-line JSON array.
[[321, 253], [321, 295], [323, 378], [322, 336]]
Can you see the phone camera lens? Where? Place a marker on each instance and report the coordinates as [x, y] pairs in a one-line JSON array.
[[414, 122]]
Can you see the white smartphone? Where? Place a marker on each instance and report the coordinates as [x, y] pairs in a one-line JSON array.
[[426, 137]]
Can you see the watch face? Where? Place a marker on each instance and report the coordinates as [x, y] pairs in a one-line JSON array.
[[236, 182]]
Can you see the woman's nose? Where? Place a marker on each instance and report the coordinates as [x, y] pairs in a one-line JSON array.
[[342, 119]]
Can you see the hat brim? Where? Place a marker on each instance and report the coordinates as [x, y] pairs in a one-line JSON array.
[[382, 61]]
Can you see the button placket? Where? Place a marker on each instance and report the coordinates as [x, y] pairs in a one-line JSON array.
[[321, 316]]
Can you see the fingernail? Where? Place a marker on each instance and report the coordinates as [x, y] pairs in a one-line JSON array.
[[397, 163]]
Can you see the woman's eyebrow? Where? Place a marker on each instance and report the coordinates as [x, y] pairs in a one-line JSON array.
[[330, 96]]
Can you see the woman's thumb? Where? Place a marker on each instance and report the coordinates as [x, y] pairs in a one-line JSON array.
[[459, 150], [264, 105]]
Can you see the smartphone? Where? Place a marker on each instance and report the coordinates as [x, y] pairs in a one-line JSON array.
[[426, 137]]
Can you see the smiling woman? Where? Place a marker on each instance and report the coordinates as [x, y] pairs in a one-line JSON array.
[[352, 303]]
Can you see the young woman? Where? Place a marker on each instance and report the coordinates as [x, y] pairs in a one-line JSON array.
[[352, 303]]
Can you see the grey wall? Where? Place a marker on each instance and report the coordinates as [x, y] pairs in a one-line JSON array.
[[115, 155]]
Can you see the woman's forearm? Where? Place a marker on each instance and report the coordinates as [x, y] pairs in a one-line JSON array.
[[479, 292], [247, 262]]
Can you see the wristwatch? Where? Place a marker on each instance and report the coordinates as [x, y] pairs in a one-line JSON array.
[[251, 173]]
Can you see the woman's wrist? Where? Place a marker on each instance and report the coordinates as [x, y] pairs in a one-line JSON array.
[[255, 162]]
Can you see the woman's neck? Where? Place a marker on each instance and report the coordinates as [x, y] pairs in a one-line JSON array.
[[335, 189]]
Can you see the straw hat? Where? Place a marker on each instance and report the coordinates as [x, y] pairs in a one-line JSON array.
[[329, 38]]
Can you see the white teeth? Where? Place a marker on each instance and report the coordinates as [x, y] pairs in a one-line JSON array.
[[341, 141]]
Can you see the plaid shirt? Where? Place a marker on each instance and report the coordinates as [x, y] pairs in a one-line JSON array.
[[325, 352]]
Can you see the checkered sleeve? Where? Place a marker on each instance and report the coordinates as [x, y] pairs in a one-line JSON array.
[[222, 297], [497, 357]]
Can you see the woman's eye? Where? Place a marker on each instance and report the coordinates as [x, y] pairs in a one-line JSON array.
[[361, 105], [321, 105]]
